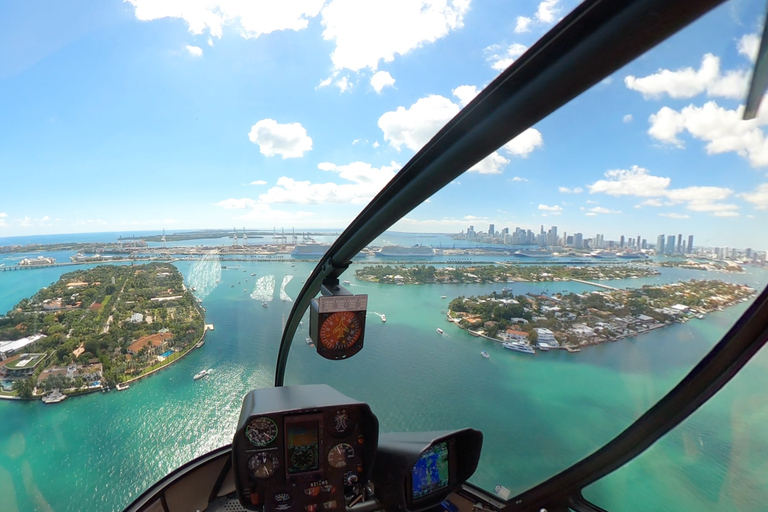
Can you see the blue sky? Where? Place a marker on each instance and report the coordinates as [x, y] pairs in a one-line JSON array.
[[151, 114]]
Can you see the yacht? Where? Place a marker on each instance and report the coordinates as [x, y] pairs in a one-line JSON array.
[[383, 318], [54, 397], [519, 346], [485, 354], [265, 304], [439, 331], [122, 386], [200, 375]]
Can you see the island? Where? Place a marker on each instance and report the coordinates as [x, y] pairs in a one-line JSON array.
[[498, 273], [570, 321], [96, 328]]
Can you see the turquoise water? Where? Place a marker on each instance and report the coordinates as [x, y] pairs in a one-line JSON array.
[[538, 413]]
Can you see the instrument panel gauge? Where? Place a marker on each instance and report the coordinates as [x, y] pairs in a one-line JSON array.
[[263, 464], [340, 455], [261, 431], [340, 330], [342, 422]]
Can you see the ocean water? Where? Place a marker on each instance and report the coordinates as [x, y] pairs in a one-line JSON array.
[[539, 413]]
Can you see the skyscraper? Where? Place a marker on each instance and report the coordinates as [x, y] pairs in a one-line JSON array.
[[621, 241], [637, 246], [578, 240], [690, 244], [491, 230], [679, 243], [670, 247], [660, 244]]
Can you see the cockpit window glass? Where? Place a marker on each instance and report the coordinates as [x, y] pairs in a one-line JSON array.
[[714, 460], [170, 178]]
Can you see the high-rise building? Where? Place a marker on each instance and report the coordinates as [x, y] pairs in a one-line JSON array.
[[621, 241], [637, 245], [670, 247], [660, 244], [599, 241], [690, 244], [679, 243], [645, 243], [491, 230], [578, 240]]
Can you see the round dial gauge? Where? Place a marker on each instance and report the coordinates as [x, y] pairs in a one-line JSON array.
[[303, 458], [261, 431], [340, 455], [340, 330], [342, 422], [263, 464]]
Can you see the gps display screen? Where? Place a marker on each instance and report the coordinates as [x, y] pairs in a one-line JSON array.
[[302, 446], [431, 471]]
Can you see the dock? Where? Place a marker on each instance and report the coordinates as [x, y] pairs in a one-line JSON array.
[[208, 327]]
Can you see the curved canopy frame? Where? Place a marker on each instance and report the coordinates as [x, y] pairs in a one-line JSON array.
[[593, 41]]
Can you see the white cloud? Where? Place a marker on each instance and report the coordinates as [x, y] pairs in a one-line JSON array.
[[343, 84], [287, 140], [237, 204], [627, 118], [600, 209], [566, 190], [759, 197], [258, 182], [525, 143], [413, 127], [518, 178], [368, 32], [195, 51], [632, 182], [749, 44], [687, 82], [380, 80], [553, 210], [723, 130], [726, 214], [325, 83], [492, 164], [210, 41], [501, 58], [366, 182], [638, 182], [465, 94], [251, 19], [3, 216], [547, 11], [523, 24], [675, 215], [375, 144]]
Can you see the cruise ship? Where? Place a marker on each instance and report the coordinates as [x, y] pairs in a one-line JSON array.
[[633, 256], [533, 253], [310, 250], [399, 251]]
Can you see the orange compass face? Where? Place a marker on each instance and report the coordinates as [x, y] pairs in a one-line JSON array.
[[340, 330]]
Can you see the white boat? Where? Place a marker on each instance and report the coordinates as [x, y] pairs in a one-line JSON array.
[[200, 344], [122, 386], [264, 305], [444, 297], [439, 331], [383, 318], [54, 397], [485, 354], [518, 346], [201, 374], [345, 282]]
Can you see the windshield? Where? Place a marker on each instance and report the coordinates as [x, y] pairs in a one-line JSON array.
[[173, 175]]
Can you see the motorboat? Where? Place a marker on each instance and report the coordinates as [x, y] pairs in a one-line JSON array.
[[485, 354], [54, 397], [439, 331], [199, 375], [122, 386]]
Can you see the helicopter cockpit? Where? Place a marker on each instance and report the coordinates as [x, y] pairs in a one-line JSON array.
[[310, 448]]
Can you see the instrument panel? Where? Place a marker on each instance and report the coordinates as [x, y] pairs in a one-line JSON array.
[[302, 448]]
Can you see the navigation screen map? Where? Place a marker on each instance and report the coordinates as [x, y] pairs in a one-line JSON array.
[[302, 446], [430, 473]]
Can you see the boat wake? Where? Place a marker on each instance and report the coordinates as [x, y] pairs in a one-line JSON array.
[[205, 274], [264, 289], [284, 296]]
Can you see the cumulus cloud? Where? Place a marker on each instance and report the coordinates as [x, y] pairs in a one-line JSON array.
[[722, 129], [414, 126], [366, 33], [258, 182], [492, 164], [502, 57], [523, 24], [250, 19], [627, 118], [638, 182], [566, 190], [518, 178], [553, 210], [380, 80], [237, 204], [287, 140], [465, 94], [343, 84], [749, 44], [758, 197], [548, 11], [599, 209], [675, 215], [688, 82], [524, 144], [365, 182], [195, 51]]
